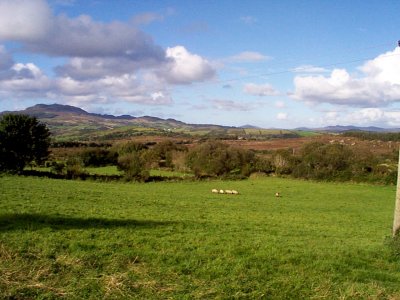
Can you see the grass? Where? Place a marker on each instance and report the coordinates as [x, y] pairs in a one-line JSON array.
[[107, 170], [167, 173], [90, 240]]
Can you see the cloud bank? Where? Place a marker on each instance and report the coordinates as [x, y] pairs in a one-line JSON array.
[[105, 62], [378, 85]]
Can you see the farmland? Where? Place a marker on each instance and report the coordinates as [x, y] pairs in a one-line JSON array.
[[84, 239]]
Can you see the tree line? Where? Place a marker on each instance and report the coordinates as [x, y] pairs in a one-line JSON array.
[[369, 135], [25, 141]]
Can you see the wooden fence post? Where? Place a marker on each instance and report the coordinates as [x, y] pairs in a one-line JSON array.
[[396, 219]]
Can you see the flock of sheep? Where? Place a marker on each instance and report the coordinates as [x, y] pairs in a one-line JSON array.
[[234, 192]]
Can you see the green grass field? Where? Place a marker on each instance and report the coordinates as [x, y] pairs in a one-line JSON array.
[[177, 240]]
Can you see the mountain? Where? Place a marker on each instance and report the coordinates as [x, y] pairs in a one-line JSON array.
[[68, 122], [73, 123], [248, 126], [340, 129]]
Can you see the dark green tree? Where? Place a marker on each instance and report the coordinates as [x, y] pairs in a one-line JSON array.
[[23, 140], [217, 159]]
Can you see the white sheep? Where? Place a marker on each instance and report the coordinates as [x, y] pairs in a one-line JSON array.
[[277, 194], [221, 192], [235, 192], [228, 192], [214, 191]]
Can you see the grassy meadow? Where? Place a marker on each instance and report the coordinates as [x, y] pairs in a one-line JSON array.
[[177, 240]]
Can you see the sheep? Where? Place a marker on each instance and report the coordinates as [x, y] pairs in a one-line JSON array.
[[231, 192], [277, 194]]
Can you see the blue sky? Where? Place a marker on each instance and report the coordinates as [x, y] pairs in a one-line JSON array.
[[281, 64]]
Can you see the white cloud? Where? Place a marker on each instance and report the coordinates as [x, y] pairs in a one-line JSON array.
[[249, 56], [282, 116], [379, 85], [25, 80], [229, 105], [233, 105], [185, 67], [106, 62], [38, 30], [260, 89], [370, 116], [374, 116]]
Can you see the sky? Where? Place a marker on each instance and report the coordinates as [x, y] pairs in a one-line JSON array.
[[267, 63]]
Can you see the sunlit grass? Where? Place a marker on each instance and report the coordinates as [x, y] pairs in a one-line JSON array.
[[84, 239]]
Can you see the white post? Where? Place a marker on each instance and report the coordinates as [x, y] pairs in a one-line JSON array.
[[396, 219]]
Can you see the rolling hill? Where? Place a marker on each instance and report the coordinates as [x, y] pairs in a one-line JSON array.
[[73, 123], [70, 123]]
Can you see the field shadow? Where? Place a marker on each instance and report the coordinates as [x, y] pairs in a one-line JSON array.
[[30, 221]]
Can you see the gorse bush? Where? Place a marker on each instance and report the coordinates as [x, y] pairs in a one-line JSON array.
[[217, 159]]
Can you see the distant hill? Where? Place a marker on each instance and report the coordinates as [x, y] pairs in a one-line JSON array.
[[340, 129], [68, 122], [247, 126]]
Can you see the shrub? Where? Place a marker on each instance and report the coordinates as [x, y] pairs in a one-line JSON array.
[[74, 168], [217, 159], [132, 161], [325, 162], [57, 167], [133, 166], [283, 162], [98, 157]]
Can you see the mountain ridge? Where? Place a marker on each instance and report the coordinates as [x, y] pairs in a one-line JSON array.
[[74, 122]]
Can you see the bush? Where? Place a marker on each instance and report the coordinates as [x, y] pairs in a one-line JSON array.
[[263, 165], [57, 167], [97, 157], [217, 159], [74, 168], [325, 162], [133, 166], [283, 162], [131, 160]]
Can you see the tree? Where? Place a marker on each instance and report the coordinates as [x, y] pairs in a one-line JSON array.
[[23, 139], [218, 159], [132, 162]]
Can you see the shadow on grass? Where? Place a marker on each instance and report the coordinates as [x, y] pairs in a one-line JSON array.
[[28, 221]]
